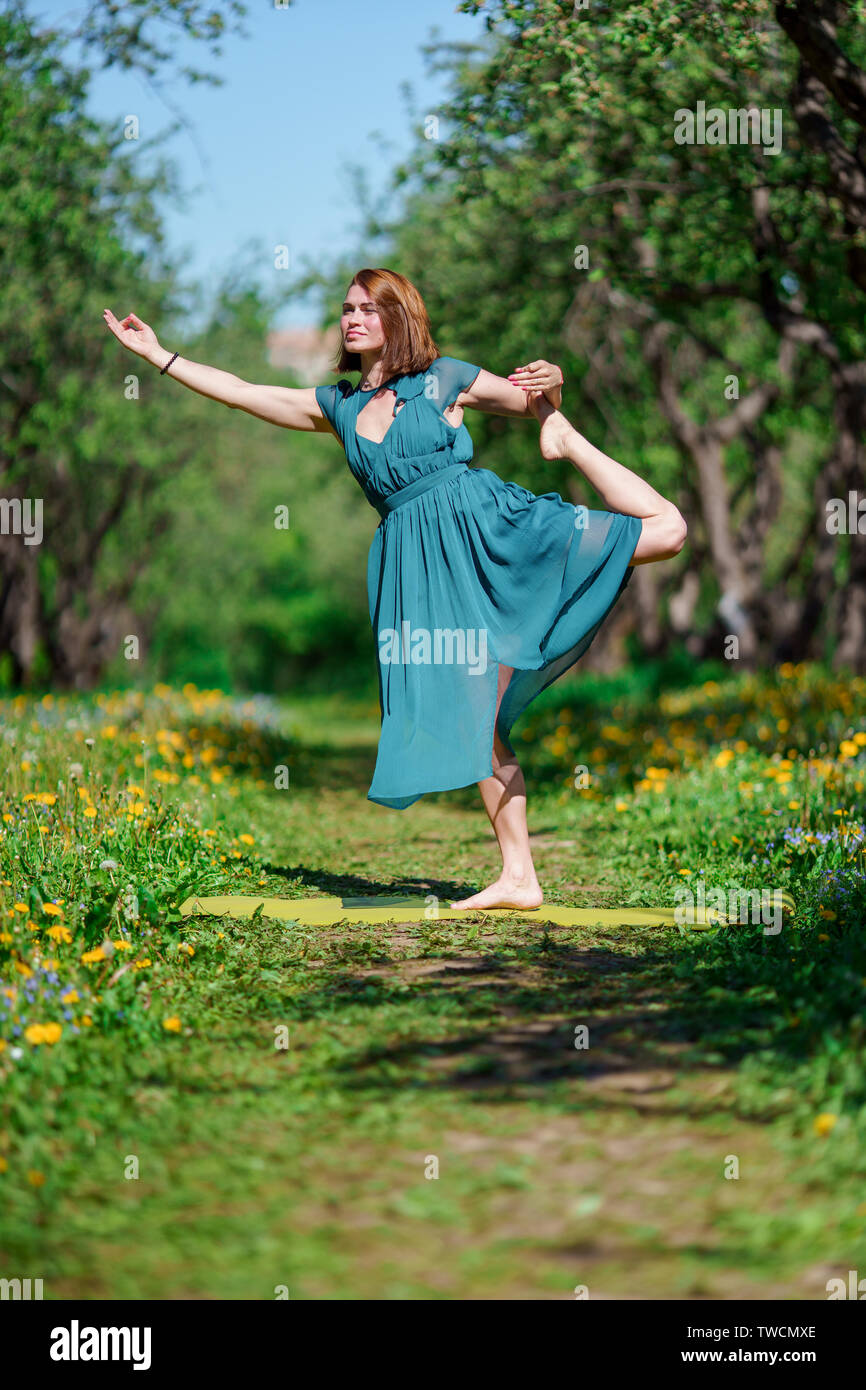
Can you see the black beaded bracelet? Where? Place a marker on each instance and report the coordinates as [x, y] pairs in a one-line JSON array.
[[167, 365]]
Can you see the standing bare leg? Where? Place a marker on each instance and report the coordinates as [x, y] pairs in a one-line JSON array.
[[504, 797]]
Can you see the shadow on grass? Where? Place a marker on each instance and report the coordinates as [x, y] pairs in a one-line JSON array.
[[494, 1022], [362, 886]]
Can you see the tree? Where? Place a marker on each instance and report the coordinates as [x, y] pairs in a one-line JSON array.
[[718, 322], [98, 440]]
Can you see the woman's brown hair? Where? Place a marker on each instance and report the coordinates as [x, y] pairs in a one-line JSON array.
[[409, 345]]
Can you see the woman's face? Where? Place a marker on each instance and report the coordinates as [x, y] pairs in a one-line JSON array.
[[360, 324]]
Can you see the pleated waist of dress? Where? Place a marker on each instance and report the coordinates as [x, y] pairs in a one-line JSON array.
[[386, 505]]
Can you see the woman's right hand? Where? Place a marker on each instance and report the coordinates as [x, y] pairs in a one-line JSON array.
[[133, 332]]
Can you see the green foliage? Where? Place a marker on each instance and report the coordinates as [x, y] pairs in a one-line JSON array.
[[557, 135], [155, 524], [448, 1038]]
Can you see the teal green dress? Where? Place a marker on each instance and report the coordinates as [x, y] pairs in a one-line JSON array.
[[464, 572]]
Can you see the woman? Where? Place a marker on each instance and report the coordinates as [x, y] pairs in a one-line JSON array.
[[480, 593]]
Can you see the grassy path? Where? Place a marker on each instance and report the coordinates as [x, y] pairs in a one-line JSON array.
[[304, 1167]]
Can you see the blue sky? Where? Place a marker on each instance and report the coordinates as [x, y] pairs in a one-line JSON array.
[[267, 153]]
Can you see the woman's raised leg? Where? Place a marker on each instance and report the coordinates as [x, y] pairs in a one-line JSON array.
[[664, 530], [504, 797]]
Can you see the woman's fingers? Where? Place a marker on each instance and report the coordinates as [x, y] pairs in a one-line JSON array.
[[131, 320], [529, 367], [131, 331], [117, 328], [536, 375]]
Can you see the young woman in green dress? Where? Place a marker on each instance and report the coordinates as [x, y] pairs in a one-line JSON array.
[[480, 592]]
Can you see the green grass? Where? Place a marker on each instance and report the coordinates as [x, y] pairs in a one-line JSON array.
[[261, 1167]]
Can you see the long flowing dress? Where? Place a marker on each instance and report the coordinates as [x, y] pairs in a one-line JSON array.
[[465, 572]]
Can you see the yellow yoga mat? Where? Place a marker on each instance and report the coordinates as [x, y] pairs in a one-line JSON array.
[[325, 912]]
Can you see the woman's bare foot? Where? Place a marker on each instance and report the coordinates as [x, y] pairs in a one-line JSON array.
[[507, 892], [554, 426]]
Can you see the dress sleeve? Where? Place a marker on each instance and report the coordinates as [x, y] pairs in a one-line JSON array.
[[326, 397], [453, 376]]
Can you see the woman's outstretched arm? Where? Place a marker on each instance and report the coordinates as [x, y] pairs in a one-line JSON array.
[[294, 408], [499, 395]]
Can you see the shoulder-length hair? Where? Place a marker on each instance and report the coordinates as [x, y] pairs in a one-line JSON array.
[[409, 345]]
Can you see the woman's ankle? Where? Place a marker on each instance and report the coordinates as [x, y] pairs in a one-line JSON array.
[[522, 875]]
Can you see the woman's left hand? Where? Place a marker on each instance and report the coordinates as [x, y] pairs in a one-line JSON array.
[[540, 376]]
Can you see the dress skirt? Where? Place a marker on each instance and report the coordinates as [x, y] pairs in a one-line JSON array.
[[466, 572]]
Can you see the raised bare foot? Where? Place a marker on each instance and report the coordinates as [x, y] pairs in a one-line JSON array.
[[554, 426], [505, 892]]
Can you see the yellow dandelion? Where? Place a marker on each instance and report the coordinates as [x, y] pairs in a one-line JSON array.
[[171, 1025], [246, 839], [43, 1033], [52, 910], [59, 932], [90, 957], [822, 1124]]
